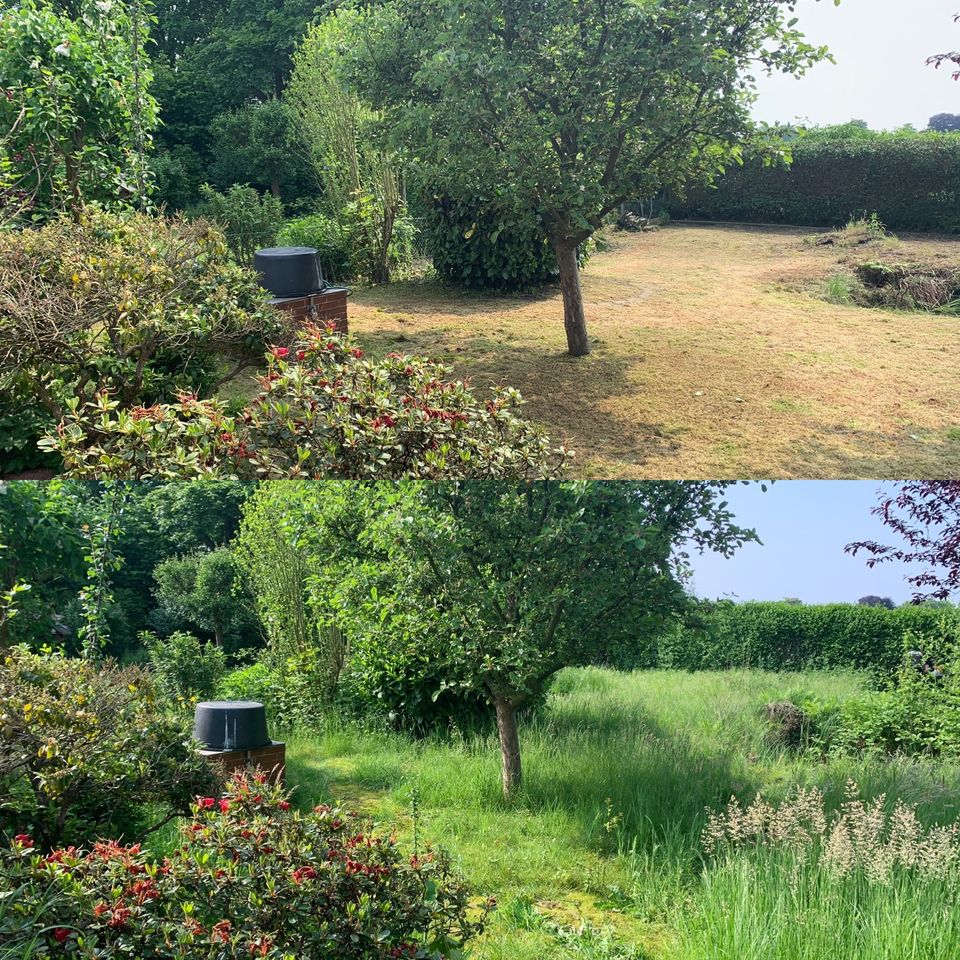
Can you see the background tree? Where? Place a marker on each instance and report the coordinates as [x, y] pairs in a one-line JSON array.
[[926, 515], [874, 601], [89, 116], [574, 107], [202, 590], [500, 585], [257, 144], [362, 185], [945, 123], [212, 59]]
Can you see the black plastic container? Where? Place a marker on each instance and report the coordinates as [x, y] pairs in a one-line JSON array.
[[289, 271], [230, 725]]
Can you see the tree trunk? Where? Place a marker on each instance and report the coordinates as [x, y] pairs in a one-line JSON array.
[[509, 744], [574, 320], [218, 634], [275, 186]]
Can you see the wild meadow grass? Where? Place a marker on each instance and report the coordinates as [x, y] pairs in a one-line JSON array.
[[601, 856]]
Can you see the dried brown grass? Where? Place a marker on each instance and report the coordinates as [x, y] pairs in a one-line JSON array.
[[712, 358]]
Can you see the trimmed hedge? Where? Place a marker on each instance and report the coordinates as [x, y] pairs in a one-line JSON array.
[[912, 181], [783, 636]]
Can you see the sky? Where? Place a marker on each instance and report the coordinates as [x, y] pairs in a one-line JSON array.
[[804, 526], [880, 76]]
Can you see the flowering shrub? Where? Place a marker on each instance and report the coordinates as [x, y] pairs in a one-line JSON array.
[[252, 877], [84, 749], [323, 410]]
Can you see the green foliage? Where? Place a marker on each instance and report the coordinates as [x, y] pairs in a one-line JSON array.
[[916, 713], [330, 240], [249, 220], [783, 636], [363, 187], [292, 696], [184, 669], [911, 180], [212, 62], [487, 243], [102, 559], [40, 528], [322, 411], [347, 893], [203, 590], [87, 749], [137, 306], [257, 144], [23, 421], [87, 117]]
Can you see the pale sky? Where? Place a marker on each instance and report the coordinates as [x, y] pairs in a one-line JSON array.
[[880, 75], [804, 526]]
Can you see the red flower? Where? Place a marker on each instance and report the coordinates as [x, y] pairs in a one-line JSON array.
[[301, 355], [280, 352], [304, 873], [357, 352], [61, 934], [221, 932], [207, 803], [224, 806], [100, 909], [284, 804], [24, 839]]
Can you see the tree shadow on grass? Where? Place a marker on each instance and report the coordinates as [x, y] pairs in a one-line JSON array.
[[568, 395], [430, 296], [645, 787]]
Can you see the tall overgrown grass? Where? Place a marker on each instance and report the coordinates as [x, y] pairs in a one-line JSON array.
[[600, 857]]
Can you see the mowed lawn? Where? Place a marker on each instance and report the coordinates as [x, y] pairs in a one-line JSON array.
[[713, 357], [599, 858]]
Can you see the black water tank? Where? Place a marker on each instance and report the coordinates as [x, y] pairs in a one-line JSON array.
[[230, 725], [289, 271]]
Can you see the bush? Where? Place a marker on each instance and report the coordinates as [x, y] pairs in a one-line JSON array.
[[125, 303], [340, 248], [249, 220], [292, 698], [23, 421], [784, 636], [185, 669], [252, 877], [487, 244], [911, 180], [917, 713], [85, 748], [331, 241], [323, 411]]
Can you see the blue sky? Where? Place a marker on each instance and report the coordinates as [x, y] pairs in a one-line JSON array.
[[880, 76], [804, 526]]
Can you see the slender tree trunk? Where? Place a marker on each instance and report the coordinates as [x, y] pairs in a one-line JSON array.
[[275, 186], [218, 634], [509, 744], [574, 320]]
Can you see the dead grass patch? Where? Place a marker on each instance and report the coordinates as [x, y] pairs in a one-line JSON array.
[[711, 359]]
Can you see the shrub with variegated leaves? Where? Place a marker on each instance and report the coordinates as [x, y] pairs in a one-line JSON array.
[[252, 876], [323, 410]]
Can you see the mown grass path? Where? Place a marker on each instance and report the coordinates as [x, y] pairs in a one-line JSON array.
[[713, 357], [619, 771]]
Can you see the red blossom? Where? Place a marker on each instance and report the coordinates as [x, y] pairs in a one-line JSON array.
[[284, 804], [61, 934], [24, 839], [221, 932], [224, 806], [280, 352]]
